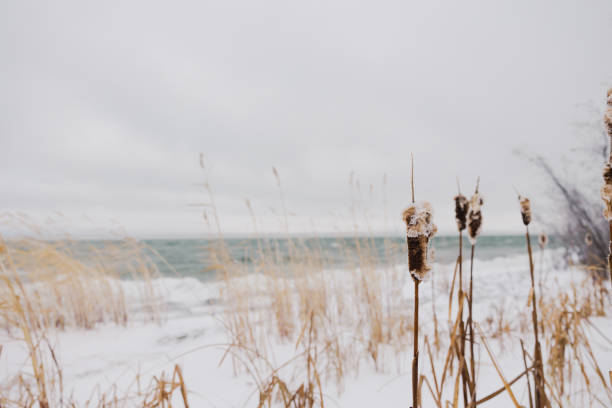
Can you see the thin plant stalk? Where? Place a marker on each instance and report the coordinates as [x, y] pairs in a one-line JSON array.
[[606, 191], [419, 229], [415, 328], [527, 377], [471, 328], [540, 397], [461, 324], [474, 227], [415, 349], [538, 372], [461, 208]]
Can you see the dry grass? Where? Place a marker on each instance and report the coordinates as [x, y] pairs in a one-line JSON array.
[[44, 286], [572, 367], [59, 289], [360, 313], [289, 293]]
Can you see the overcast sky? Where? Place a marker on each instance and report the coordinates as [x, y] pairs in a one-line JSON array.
[[105, 107]]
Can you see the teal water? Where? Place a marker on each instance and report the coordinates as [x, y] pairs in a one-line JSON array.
[[193, 257], [199, 257]]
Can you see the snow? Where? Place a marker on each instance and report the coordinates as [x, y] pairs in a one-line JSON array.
[[192, 335]]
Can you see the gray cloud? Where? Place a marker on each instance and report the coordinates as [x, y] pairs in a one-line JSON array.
[[105, 107]]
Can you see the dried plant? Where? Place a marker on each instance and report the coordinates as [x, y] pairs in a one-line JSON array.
[[538, 372], [337, 319], [542, 241], [606, 190], [419, 229], [475, 216], [525, 209], [474, 228], [462, 206]]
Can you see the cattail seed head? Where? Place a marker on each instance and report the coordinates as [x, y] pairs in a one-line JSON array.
[[419, 228], [474, 217], [606, 195], [606, 190], [461, 209], [608, 119], [542, 240], [588, 239], [607, 173], [525, 209]]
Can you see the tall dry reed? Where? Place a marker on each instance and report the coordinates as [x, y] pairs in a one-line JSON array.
[[540, 399], [462, 206], [606, 190], [420, 228], [474, 228]]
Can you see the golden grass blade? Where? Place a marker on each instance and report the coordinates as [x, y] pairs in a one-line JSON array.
[[503, 388], [456, 389], [452, 289], [499, 372]]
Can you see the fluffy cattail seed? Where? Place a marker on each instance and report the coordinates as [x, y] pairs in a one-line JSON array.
[[542, 240], [419, 228], [606, 191], [525, 209], [461, 209], [474, 217]]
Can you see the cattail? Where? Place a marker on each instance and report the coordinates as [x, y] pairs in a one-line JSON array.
[[608, 118], [419, 228], [462, 206], [525, 209], [474, 220], [541, 400], [588, 239], [474, 217], [606, 191], [461, 209], [542, 240]]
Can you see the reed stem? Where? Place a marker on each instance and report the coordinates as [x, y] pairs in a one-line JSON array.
[[528, 383], [471, 328], [538, 372], [415, 356], [461, 324]]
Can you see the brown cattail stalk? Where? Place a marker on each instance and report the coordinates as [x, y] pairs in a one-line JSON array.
[[606, 190], [462, 206], [418, 218], [538, 372], [474, 227]]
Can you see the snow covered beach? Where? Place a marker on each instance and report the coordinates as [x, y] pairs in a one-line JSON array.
[[193, 333]]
